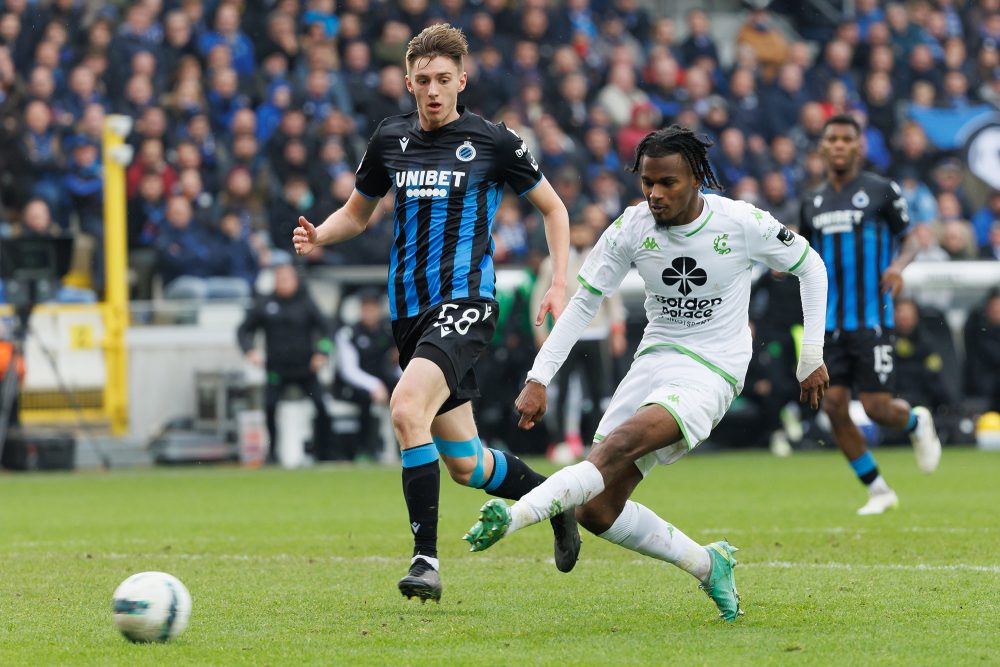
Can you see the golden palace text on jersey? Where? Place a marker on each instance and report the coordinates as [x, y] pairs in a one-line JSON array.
[[856, 232], [448, 184]]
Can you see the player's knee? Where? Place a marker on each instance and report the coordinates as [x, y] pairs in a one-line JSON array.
[[460, 473], [597, 517], [876, 407], [621, 446], [835, 406], [408, 418], [465, 460]]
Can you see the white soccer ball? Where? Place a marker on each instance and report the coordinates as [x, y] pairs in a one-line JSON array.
[[151, 607]]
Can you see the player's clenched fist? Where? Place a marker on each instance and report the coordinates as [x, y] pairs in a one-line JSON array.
[[531, 404], [304, 237]]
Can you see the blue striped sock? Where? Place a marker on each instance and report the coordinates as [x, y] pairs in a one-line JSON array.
[[865, 468]]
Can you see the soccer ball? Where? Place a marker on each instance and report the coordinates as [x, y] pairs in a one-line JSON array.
[[151, 607]]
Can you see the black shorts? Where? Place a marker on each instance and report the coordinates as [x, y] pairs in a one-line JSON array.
[[861, 360], [452, 335]]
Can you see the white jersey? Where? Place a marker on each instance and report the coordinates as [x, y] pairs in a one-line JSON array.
[[697, 277]]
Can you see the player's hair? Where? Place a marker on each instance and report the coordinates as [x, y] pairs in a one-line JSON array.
[[843, 119], [438, 40], [680, 140]]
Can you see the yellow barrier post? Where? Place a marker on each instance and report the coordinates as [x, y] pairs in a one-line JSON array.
[[117, 155]]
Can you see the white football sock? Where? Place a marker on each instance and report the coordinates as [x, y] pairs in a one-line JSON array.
[[433, 562], [638, 528], [570, 487], [879, 485]]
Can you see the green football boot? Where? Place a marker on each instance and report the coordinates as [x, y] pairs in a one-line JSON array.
[[721, 585], [494, 518]]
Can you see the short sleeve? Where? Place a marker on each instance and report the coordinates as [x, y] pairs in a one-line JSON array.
[[770, 242], [518, 166], [895, 210], [606, 265], [372, 179]]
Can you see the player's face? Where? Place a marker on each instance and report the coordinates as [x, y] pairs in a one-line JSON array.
[[840, 147], [669, 188], [435, 84]]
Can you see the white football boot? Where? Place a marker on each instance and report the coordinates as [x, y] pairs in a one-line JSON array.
[[926, 444], [879, 502]]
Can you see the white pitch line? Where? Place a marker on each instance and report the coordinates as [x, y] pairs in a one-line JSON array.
[[387, 560]]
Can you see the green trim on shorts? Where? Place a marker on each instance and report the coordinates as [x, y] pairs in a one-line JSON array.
[[694, 355], [680, 422], [598, 437], [801, 259], [590, 288], [695, 231]]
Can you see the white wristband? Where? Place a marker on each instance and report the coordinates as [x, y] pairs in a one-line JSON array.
[[810, 358], [534, 378]]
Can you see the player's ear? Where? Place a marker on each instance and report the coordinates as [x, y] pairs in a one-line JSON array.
[[409, 84], [462, 80]]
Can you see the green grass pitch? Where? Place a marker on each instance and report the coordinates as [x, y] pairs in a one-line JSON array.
[[300, 567]]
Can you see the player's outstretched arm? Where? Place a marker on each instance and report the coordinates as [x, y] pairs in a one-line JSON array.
[[556, 220], [345, 223], [576, 318]]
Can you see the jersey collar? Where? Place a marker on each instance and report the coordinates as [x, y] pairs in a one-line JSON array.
[[463, 114], [695, 226]]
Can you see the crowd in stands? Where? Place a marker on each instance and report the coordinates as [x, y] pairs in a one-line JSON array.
[[248, 114]]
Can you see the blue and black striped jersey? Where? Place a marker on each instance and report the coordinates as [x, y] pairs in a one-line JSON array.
[[448, 185], [856, 231]]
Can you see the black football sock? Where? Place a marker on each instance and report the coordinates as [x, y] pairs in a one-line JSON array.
[[511, 478], [422, 490]]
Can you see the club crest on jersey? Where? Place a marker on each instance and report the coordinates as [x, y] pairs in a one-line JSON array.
[[466, 152], [721, 244], [860, 199]]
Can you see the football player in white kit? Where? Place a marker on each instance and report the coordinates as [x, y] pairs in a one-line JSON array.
[[694, 252]]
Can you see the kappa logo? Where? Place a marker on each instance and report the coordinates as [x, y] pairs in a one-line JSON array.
[[860, 199], [684, 273], [674, 398], [466, 152], [403, 142], [649, 244]]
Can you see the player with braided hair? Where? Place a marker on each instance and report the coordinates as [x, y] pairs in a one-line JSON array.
[[694, 252]]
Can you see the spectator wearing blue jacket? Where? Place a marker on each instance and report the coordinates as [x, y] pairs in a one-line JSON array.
[[227, 31]]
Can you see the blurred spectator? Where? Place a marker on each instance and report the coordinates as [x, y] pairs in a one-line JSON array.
[[991, 250], [84, 183], [982, 351], [806, 134], [956, 240], [620, 96], [227, 31], [920, 377], [765, 40], [191, 268], [699, 41], [297, 343], [919, 199], [986, 217], [928, 248], [366, 372], [42, 158], [776, 200]]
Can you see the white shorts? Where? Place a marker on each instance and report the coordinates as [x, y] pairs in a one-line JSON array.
[[695, 395]]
